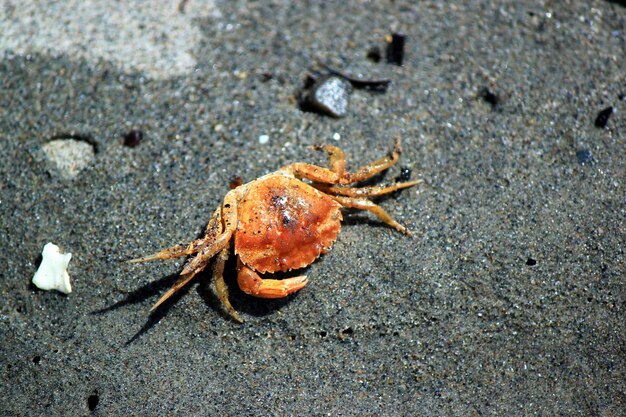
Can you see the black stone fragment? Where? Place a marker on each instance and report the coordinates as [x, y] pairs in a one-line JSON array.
[[395, 49], [347, 331], [329, 95], [531, 262], [584, 156], [133, 138], [489, 96], [181, 6], [309, 81], [92, 401], [618, 2], [371, 85], [603, 117]]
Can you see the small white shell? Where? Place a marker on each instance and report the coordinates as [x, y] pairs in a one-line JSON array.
[[52, 273]]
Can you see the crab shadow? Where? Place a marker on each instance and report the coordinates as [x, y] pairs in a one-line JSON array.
[[241, 302], [140, 295]]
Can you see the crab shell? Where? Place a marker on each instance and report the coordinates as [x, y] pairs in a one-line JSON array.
[[284, 224]]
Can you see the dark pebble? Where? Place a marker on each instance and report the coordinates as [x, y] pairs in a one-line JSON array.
[[405, 174], [329, 95], [531, 262], [133, 138], [374, 54], [603, 117], [235, 182], [584, 156]]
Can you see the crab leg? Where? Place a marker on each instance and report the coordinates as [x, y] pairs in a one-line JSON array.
[[368, 171], [338, 175], [177, 251], [229, 222], [337, 158], [186, 249], [364, 204], [251, 283], [220, 285], [214, 227], [186, 277], [212, 245], [365, 191]]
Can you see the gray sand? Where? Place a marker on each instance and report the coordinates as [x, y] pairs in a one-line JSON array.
[[508, 300]]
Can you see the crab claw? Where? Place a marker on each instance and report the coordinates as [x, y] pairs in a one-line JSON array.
[[251, 283]]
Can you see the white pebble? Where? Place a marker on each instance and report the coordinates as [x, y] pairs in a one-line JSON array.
[[52, 273], [336, 136], [263, 139]]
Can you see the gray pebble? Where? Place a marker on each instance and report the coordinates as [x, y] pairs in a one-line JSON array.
[[584, 156], [330, 96]]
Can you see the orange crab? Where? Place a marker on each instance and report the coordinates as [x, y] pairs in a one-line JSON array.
[[279, 223]]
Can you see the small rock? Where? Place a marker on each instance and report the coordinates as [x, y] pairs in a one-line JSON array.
[[584, 156], [330, 95], [263, 139], [69, 156]]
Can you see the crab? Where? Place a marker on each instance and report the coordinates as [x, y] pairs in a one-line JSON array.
[[280, 222]]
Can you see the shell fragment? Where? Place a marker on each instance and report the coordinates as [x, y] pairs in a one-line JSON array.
[[52, 273]]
